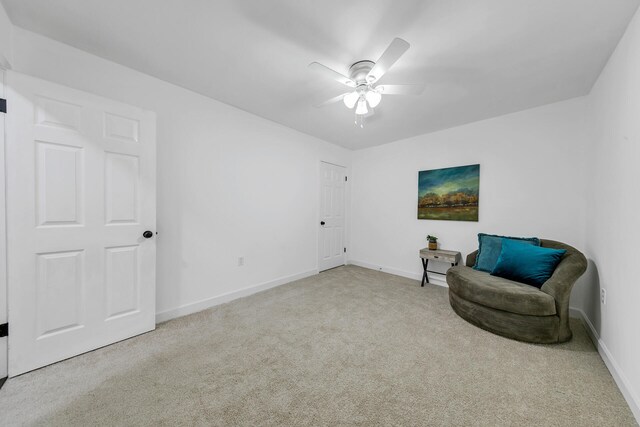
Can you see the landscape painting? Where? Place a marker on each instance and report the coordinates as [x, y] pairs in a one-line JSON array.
[[449, 194]]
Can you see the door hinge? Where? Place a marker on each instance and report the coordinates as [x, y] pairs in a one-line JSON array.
[[3, 105], [4, 330], [345, 178], [345, 250]]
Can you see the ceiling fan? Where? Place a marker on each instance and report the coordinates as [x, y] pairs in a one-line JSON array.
[[365, 95]]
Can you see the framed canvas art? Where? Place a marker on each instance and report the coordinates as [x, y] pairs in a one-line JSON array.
[[449, 194]]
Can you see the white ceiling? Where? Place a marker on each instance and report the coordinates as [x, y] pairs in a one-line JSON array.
[[478, 58]]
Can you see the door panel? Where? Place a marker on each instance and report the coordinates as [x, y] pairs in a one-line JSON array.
[[58, 184], [122, 281], [121, 128], [121, 188], [332, 214], [80, 193], [59, 292], [57, 114]]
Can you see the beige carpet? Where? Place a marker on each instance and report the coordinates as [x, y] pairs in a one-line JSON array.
[[347, 347]]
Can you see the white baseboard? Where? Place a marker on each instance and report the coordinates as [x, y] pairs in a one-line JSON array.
[[204, 304], [433, 279], [621, 380]]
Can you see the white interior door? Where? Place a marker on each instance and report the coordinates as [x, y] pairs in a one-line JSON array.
[[80, 194], [332, 216]]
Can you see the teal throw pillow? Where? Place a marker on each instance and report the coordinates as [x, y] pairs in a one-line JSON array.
[[489, 247], [525, 263]]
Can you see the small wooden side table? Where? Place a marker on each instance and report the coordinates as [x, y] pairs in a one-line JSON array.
[[440, 255]]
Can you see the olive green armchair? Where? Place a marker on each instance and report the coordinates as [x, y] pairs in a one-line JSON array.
[[516, 310]]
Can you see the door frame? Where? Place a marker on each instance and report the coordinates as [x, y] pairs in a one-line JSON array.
[[346, 201], [4, 296]]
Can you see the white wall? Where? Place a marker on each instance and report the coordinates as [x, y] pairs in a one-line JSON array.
[[614, 222], [532, 183], [6, 38], [230, 184]]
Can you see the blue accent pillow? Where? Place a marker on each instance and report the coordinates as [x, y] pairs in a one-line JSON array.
[[489, 246], [525, 263]]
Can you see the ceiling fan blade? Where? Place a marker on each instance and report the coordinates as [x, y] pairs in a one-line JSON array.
[[400, 89], [331, 100], [388, 58], [332, 74]]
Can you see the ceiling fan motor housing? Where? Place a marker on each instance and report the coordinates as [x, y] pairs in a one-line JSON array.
[[358, 72]]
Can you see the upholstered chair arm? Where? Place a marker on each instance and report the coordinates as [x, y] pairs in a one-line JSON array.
[[559, 285], [471, 259]]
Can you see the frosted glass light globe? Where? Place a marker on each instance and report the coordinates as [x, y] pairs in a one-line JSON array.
[[350, 99], [362, 107], [373, 98]]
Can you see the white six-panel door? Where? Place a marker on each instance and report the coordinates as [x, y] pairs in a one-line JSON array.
[[332, 216], [80, 194]]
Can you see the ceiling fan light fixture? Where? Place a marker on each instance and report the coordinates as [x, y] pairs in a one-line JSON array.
[[362, 109], [362, 77], [351, 99], [373, 98]]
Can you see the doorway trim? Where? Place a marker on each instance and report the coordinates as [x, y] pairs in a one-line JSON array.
[[4, 300]]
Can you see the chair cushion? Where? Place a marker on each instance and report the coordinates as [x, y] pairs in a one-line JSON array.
[[501, 294]]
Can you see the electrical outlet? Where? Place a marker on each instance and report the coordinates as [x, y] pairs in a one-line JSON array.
[[603, 296], [240, 261]]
